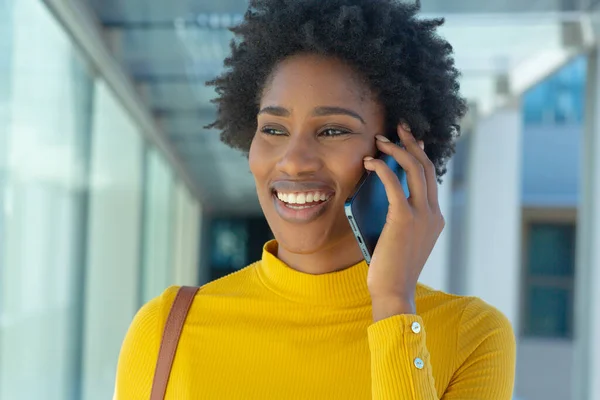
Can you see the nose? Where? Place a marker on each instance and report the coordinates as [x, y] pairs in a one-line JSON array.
[[301, 157]]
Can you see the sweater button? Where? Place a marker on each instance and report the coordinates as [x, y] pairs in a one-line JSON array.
[[416, 327], [419, 363]]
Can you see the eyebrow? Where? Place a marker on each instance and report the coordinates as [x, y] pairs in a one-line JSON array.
[[323, 111], [276, 111], [318, 112]]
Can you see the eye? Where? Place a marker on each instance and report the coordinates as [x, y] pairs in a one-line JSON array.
[[272, 131], [330, 132]]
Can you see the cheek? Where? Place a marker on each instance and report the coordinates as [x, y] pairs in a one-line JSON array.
[[350, 168], [258, 161]]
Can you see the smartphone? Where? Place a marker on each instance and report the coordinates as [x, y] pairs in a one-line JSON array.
[[366, 209]]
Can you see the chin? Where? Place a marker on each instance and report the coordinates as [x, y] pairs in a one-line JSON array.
[[302, 239], [307, 231], [318, 236]]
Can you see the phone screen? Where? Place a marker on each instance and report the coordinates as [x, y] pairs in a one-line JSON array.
[[367, 208]]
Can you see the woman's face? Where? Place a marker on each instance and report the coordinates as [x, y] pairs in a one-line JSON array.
[[317, 121]]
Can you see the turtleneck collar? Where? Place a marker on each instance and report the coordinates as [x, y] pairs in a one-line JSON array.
[[344, 288]]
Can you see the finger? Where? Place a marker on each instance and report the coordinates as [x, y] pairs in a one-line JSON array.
[[412, 167], [417, 150], [393, 188]]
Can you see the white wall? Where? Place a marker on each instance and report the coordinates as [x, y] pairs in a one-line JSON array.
[[586, 360], [437, 269], [493, 230], [544, 369], [551, 167]]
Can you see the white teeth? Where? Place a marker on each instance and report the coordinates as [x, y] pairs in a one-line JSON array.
[[302, 198]]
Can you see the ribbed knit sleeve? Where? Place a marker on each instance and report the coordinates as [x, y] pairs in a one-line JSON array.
[[485, 358], [139, 352]]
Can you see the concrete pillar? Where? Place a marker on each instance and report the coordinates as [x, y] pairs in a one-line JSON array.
[[436, 271], [493, 212], [586, 366]]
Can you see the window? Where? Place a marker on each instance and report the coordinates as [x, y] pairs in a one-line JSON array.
[[71, 180], [113, 245], [236, 242], [549, 268], [559, 99], [46, 92], [158, 218]]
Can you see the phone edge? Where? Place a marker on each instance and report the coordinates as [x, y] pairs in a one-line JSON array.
[[358, 236]]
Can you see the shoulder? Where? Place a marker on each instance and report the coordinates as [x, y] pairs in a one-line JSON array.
[[148, 322], [139, 351], [474, 329], [234, 284], [142, 341], [475, 338], [473, 319], [235, 281], [484, 325], [225, 284]]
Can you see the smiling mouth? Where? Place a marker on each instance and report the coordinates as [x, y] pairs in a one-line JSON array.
[[302, 200]]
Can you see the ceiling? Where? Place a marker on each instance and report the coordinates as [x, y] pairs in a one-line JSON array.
[[170, 48]]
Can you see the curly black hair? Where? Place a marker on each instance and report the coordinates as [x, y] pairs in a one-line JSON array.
[[409, 68]]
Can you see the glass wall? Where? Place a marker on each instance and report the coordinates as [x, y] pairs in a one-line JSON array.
[[89, 226], [46, 92], [559, 99], [158, 215], [186, 237], [114, 239]]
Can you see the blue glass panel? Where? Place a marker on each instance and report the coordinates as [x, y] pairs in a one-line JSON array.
[[559, 99], [551, 251], [548, 314]]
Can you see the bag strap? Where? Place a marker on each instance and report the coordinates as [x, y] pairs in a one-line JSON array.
[[171, 334]]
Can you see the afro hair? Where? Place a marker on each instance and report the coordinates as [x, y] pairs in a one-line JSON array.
[[407, 65]]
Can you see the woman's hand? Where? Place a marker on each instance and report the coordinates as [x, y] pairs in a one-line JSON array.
[[412, 227]]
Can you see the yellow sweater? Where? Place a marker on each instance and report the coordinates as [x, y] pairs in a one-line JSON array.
[[271, 332]]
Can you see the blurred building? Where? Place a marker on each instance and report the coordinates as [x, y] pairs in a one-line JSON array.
[[537, 290], [111, 189]]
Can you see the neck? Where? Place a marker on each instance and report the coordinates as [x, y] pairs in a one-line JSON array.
[[333, 257]]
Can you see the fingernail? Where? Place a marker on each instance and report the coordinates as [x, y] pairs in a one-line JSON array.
[[405, 126], [422, 145], [382, 139], [368, 158]]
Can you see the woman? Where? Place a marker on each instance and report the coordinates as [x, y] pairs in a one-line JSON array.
[[312, 90]]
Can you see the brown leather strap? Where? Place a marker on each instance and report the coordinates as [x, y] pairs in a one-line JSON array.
[[168, 346]]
